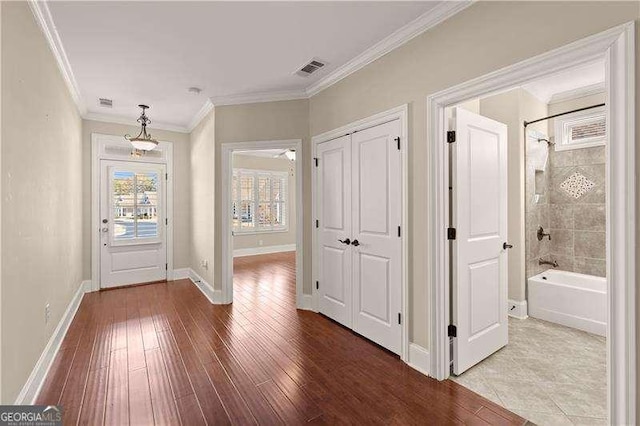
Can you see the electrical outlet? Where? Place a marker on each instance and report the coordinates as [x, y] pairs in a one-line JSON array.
[[47, 313]]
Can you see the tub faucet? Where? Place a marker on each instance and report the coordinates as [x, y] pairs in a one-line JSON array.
[[548, 262], [542, 234]]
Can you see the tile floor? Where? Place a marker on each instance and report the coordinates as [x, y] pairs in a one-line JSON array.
[[548, 374]]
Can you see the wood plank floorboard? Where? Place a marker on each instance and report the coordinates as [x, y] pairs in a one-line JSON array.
[[162, 354]]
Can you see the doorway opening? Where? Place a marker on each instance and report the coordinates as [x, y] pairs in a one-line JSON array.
[[262, 219], [553, 300], [526, 276]]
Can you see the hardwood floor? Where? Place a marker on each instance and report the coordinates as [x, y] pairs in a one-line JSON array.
[[162, 354]]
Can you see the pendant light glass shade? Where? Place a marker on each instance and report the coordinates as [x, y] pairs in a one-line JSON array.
[[144, 141]]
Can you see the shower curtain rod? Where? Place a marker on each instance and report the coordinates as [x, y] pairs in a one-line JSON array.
[[526, 123]]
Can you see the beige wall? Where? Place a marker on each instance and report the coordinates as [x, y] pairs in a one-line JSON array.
[[266, 239], [181, 188], [203, 200], [41, 196], [264, 122], [483, 38], [512, 108]]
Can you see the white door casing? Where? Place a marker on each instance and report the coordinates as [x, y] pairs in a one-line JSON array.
[[479, 260], [132, 251], [334, 215], [376, 219]]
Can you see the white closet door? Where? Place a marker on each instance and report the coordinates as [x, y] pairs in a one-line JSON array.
[[377, 248], [334, 201], [479, 290]]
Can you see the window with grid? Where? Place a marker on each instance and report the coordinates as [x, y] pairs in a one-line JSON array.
[[259, 201], [583, 129]]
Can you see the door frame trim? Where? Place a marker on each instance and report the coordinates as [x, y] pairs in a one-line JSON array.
[[401, 112], [227, 237], [617, 45], [99, 140]]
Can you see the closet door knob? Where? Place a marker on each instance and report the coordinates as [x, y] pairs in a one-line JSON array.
[[506, 246], [355, 243], [345, 241]]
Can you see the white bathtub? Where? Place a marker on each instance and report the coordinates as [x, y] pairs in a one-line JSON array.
[[570, 299]]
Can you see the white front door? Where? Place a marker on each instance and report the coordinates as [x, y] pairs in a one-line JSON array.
[[377, 245], [132, 223], [479, 215], [334, 233]]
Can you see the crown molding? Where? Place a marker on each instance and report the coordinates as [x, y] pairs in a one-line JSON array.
[[580, 92], [202, 113], [105, 118], [428, 20], [258, 97], [44, 19]]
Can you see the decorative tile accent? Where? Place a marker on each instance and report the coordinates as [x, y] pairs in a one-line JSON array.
[[577, 185]]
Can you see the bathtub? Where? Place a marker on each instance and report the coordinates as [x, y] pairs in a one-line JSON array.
[[571, 299]]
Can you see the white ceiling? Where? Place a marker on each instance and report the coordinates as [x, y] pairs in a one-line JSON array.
[[151, 52], [569, 83]]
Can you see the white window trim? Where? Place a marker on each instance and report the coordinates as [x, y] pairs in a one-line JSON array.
[[562, 128], [262, 229]]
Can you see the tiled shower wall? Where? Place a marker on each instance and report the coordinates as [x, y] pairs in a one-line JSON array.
[[537, 210], [577, 225]]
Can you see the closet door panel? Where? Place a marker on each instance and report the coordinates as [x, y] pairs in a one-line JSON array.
[[377, 213], [334, 201]]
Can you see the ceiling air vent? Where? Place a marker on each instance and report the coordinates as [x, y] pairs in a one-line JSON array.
[[311, 67], [106, 103]]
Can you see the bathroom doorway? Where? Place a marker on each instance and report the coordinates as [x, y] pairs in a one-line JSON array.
[[520, 304]]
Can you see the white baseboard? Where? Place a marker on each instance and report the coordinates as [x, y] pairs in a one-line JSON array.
[[181, 274], [518, 309], [264, 250], [214, 296], [36, 379], [307, 302], [419, 359]]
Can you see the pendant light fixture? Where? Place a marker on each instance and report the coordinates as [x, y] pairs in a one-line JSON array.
[[144, 141]]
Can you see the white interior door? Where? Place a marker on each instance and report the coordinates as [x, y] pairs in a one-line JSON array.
[[377, 248], [334, 230], [132, 223], [479, 214]]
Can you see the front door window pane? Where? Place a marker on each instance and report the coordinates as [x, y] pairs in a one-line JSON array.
[[135, 205]]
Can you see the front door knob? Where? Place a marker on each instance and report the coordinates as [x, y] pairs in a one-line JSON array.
[[506, 246]]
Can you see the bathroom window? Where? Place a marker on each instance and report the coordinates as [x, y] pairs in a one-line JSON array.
[[582, 129]]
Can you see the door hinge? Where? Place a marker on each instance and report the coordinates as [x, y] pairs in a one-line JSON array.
[[451, 136], [166, 221], [317, 223], [452, 331], [315, 159], [317, 285], [398, 140], [166, 266], [451, 233], [399, 231], [166, 176], [399, 318]]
